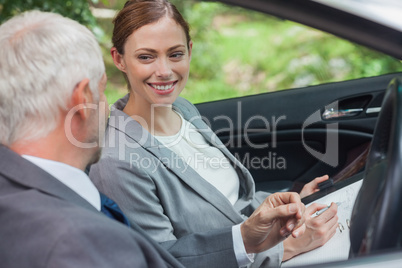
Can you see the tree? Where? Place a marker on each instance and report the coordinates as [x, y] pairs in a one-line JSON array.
[[75, 9]]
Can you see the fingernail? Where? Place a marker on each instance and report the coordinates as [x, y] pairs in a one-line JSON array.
[[292, 208], [291, 226]]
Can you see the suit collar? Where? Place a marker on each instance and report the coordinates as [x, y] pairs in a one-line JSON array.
[[133, 130], [19, 170]]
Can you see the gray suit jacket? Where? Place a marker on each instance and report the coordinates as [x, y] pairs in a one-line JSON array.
[[46, 224], [156, 189]]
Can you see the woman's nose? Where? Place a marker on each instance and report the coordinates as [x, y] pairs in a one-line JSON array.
[[163, 69]]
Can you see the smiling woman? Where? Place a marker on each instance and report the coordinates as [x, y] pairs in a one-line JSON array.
[[169, 62], [156, 72]]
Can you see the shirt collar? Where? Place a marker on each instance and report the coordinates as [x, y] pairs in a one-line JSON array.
[[70, 176]]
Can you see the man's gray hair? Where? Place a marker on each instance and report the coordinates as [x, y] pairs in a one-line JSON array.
[[43, 56]]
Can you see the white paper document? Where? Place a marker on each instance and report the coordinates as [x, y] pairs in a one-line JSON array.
[[337, 248]]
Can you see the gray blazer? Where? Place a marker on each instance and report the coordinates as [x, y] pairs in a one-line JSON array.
[[46, 224], [167, 198]]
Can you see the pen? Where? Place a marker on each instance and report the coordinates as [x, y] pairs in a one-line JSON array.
[[324, 209]]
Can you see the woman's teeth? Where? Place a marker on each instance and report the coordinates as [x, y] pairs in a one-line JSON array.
[[166, 87]]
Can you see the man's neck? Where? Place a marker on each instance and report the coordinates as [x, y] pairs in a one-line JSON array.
[[48, 148]]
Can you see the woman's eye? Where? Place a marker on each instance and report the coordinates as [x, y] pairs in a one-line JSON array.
[[144, 57], [177, 55]]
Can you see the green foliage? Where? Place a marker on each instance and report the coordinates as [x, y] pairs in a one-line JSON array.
[[260, 54], [200, 17], [75, 9], [183, 5]]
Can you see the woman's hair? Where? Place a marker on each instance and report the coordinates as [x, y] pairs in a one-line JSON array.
[[138, 13], [43, 57]]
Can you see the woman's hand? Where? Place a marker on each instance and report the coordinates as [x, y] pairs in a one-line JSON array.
[[319, 230], [312, 186], [279, 216]]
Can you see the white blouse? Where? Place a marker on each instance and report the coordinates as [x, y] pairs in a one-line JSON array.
[[208, 161]]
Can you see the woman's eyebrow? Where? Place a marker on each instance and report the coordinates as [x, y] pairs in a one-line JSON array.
[[151, 50], [176, 47], [147, 49]]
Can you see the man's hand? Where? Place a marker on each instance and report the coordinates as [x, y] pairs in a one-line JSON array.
[[280, 215], [319, 230], [312, 186]]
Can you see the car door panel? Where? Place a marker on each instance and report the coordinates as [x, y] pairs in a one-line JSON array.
[[282, 137]]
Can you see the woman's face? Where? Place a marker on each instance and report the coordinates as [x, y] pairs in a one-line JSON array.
[[157, 62]]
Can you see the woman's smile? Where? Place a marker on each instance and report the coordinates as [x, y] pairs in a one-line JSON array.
[[156, 62], [163, 88]]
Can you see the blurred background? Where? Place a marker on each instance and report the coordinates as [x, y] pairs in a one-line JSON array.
[[235, 53]]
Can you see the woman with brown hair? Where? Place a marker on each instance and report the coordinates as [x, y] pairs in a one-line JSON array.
[[159, 160]]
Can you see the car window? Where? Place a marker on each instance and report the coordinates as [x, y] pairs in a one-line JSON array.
[[246, 52]]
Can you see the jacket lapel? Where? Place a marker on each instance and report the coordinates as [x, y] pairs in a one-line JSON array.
[[131, 128], [247, 187]]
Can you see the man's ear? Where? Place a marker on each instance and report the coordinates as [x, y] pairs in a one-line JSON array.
[[82, 97], [118, 59]]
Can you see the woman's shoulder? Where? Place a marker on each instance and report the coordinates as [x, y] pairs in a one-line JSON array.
[[185, 107]]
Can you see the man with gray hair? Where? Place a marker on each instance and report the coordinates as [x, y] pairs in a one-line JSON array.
[[52, 108], [53, 113]]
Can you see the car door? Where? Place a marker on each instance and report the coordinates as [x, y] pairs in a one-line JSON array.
[[289, 137]]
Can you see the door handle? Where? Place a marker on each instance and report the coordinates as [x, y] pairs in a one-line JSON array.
[[331, 113], [373, 110]]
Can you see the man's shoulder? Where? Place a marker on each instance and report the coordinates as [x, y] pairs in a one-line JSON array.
[[48, 229]]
